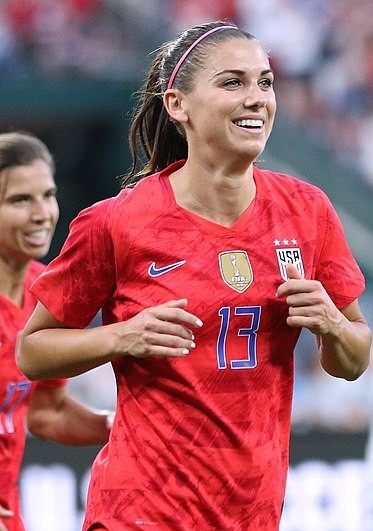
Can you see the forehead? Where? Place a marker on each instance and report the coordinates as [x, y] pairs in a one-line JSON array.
[[236, 54], [28, 179]]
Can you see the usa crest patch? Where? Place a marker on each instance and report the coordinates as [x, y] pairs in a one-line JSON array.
[[289, 255]]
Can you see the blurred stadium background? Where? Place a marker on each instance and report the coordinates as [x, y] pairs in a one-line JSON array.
[[68, 72]]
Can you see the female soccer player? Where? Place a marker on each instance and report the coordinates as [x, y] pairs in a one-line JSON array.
[[28, 216], [206, 270]]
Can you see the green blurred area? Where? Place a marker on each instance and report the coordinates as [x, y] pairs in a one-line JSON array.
[[84, 123], [294, 149]]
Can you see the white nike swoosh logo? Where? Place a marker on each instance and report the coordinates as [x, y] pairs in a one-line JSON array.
[[158, 271]]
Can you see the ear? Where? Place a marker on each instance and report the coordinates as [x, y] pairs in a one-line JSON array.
[[173, 100]]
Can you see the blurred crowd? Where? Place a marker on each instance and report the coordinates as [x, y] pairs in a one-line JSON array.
[[76, 38], [322, 53]]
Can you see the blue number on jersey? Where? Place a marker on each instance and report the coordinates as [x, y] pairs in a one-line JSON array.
[[250, 333], [16, 393]]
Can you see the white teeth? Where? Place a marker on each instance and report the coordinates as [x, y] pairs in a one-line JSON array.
[[38, 234], [249, 123]]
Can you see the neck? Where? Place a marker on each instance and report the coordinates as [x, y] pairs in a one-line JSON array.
[[12, 277], [217, 196]]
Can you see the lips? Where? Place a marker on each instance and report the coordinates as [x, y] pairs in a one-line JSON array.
[[250, 123], [38, 237]]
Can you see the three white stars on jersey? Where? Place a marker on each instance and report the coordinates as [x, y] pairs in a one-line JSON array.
[[285, 242]]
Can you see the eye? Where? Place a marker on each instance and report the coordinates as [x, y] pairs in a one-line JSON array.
[[19, 199], [232, 83], [51, 193], [266, 83]]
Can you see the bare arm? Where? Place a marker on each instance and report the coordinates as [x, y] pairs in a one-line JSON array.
[[47, 349], [55, 416], [343, 336], [4, 514], [347, 346]]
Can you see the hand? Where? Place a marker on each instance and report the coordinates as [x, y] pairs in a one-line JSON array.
[[110, 415], [162, 330], [309, 304], [4, 513]]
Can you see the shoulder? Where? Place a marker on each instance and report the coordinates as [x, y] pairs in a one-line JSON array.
[[98, 225], [288, 189], [99, 216], [142, 192], [34, 270], [153, 188], [147, 192], [132, 207]]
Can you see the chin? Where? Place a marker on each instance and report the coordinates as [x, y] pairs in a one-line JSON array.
[[257, 152], [252, 155], [37, 254]]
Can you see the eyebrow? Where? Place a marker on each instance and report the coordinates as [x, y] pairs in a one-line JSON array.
[[238, 72], [20, 195]]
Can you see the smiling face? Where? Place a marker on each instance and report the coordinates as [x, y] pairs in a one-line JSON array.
[[230, 110], [28, 212]]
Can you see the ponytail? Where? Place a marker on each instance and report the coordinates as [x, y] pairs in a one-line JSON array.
[[152, 135]]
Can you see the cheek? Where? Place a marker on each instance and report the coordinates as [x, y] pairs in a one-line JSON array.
[[55, 211], [272, 106], [9, 236], [11, 223]]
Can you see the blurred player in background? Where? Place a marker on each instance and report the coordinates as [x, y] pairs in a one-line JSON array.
[[28, 216], [206, 271]]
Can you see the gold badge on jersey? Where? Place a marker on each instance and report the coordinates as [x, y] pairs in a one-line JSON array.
[[235, 268]]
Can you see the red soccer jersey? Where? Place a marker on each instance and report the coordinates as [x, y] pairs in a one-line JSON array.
[[15, 395], [200, 442]]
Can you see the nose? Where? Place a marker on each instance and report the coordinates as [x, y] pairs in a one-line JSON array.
[[255, 98], [257, 103], [40, 211]]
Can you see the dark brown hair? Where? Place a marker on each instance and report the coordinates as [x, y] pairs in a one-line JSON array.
[[20, 148], [152, 134]]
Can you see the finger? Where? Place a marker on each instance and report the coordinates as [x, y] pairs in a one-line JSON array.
[[168, 340], [172, 329], [293, 272], [163, 351], [306, 297], [297, 286], [179, 303], [110, 415], [297, 321], [286, 287], [5, 513], [304, 311], [190, 318], [177, 315], [312, 323]]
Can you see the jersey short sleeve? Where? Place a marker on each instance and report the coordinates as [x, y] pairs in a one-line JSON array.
[[337, 268], [83, 275]]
